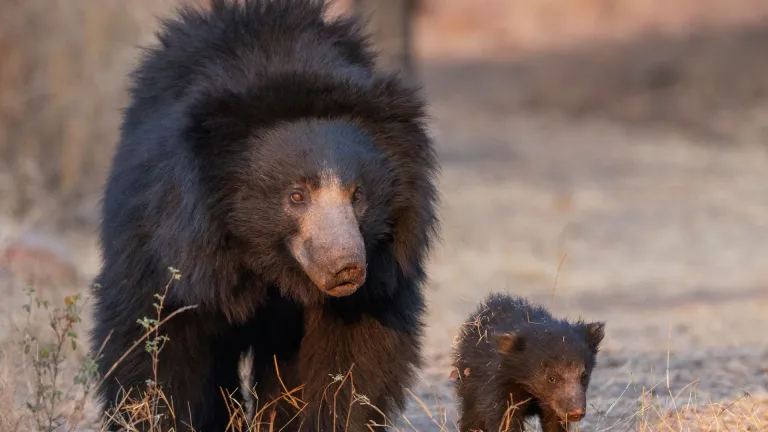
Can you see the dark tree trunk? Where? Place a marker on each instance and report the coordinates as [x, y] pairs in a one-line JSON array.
[[391, 26]]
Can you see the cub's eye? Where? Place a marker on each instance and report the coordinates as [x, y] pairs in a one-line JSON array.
[[297, 197], [357, 195], [552, 379], [584, 377]]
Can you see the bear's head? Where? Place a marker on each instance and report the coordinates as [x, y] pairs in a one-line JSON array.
[[312, 196], [323, 185]]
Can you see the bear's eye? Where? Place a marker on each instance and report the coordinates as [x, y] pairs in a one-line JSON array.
[[357, 195], [584, 377], [297, 197], [552, 379]]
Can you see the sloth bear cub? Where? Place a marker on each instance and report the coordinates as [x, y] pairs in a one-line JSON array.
[[514, 360]]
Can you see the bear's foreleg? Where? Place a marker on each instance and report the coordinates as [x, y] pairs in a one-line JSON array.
[[352, 369]]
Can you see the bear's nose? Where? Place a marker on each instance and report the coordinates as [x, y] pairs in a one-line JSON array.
[[576, 414], [350, 273], [346, 279]]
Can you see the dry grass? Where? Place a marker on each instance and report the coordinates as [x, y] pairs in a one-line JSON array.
[[61, 91], [11, 414], [58, 395], [660, 409], [743, 414]]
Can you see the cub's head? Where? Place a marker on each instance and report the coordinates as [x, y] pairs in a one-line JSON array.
[[554, 363]]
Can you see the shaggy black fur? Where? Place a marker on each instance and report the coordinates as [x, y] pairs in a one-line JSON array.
[[513, 353], [237, 103]]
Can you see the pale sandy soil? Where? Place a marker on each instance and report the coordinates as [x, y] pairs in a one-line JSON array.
[[662, 237]]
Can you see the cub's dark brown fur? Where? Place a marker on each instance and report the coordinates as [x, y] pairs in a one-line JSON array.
[[514, 360]]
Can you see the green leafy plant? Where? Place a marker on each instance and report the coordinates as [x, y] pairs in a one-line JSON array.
[[45, 358]]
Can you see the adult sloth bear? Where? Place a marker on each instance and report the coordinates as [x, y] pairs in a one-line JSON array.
[[293, 187]]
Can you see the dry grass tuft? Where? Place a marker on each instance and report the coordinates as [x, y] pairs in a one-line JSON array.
[[59, 397], [61, 91], [744, 414], [11, 415], [683, 413]]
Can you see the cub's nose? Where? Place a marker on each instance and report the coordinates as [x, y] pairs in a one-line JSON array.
[[576, 414]]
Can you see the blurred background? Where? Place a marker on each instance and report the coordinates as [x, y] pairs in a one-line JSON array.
[[606, 157]]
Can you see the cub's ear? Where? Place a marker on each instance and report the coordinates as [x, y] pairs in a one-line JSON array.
[[594, 333], [509, 343]]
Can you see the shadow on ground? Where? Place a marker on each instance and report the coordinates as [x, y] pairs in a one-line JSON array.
[[707, 84]]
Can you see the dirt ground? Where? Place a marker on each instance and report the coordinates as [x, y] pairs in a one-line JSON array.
[[656, 229], [657, 234]]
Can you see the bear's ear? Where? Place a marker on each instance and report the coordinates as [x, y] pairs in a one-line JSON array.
[[594, 333], [509, 343], [216, 123]]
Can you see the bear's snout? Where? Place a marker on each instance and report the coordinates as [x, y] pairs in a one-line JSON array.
[[330, 248], [347, 280], [338, 271]]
